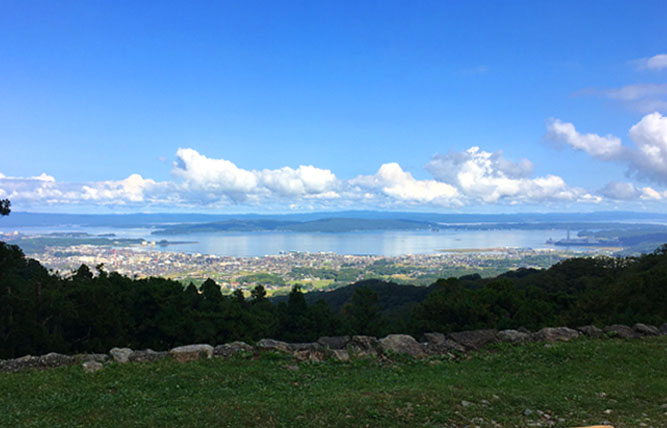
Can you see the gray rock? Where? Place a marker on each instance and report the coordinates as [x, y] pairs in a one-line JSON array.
[[100, 358], [187, 353], [439, 344], [433, 338], [334, 342], [55, 360], [92, 366], [363, 346], [120, 355], [622, 331], [147, 356], [474, 339], [554, 334], [273, 345], [590, 331], [524, 330], [663, 329], [646, 330], [401, 344], [312, 355], [233, 348], [340, 355], [312, 346], [512, 336], [17, 364]]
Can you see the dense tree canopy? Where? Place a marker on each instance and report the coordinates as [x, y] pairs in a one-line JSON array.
[[93, 311]]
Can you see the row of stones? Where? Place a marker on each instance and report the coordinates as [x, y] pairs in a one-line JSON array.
[[340, 348]]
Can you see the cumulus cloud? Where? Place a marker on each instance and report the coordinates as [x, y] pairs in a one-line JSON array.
[[215, 175], [620, 191], [305, 180], [222, 178], [607, 148], [650, 158], [656, 63], [488, 177], [624, 191], [45, 190], [392, 181], [131, 189], [647, 160]]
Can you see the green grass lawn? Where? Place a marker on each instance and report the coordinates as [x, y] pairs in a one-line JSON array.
[[577, 383]]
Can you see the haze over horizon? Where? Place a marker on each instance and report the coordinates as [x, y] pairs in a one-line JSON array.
[[277, 107]]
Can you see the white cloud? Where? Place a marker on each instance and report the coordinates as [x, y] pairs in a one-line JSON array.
[[625, 191], [607, 148], [641, 97], [305, 180], [650, 158], [648, 193], [620, 191], [221, 178], [215, 175], [392, 181], [657, 62], [647, 161], [636, 92], [645, 98], [131, 189], [487, 177]]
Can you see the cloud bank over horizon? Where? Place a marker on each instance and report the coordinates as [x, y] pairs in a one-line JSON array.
[[473, 177]]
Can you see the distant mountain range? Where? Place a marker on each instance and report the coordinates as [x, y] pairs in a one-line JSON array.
[[327, 225], [419, 219]]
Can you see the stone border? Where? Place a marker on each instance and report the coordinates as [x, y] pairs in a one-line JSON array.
[[338, 348]]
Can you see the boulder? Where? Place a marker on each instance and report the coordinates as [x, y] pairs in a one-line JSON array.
[[311, 346], [54, 359], [120, 355], [590, 331], [273, 345], [646, 330], [401, 344], [524, 330], [363, 346], [663, 329], [233, 348], [17, 364], [340, 355], [554, 334], [147, 356], [438, 344], [474, 339], [100, 358], [92, 366], [334, 342], [622, 331], [187, 353], [312, 355], [513, 336]]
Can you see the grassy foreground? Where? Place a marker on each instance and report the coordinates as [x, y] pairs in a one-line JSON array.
[[577, 383]]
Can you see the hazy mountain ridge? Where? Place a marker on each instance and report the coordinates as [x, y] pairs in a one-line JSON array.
[[29, 219]]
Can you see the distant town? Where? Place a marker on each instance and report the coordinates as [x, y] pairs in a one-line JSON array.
[[278, 273]]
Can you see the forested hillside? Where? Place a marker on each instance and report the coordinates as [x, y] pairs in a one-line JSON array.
[[93, 311]]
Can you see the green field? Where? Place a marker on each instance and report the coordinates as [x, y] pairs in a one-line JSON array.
[[562, 385]]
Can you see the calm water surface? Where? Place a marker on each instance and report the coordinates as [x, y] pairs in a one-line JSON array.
[[387, 243]]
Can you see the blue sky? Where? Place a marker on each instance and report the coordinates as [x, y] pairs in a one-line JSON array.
[[298, 106]]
